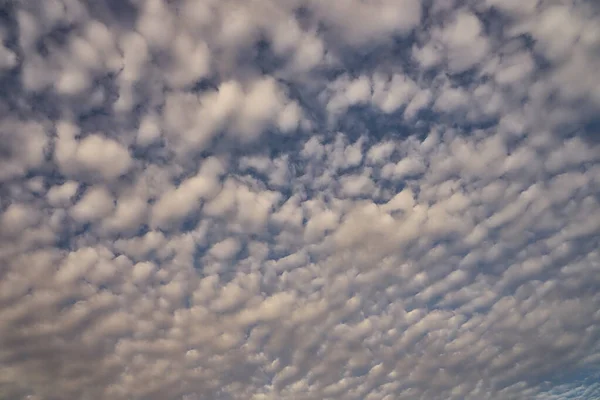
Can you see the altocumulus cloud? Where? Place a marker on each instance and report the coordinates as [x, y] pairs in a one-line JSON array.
[[299, 199]]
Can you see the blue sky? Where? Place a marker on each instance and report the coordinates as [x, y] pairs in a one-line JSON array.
[[299, 199]]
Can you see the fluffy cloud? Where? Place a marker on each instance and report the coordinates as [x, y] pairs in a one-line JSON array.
[[299, 200], [94, 155]]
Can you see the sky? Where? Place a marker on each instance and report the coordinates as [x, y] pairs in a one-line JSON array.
[[299, 199]]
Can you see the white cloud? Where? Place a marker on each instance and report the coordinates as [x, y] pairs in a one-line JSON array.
[[177, 203], [192, 61], [389, 96], [378, 20], [193, 121], [16, 218], [135, 57], [401, 201], [380, 152], [515, 69], [95, 155], [8, 59], [61, 195], [460, 42], [465, 44], [409, 166], [451, 99], [348, 92], [421, 99], [149, 130], [95, 204], [225, 249], [192, 206], [23, 145], [357, 185], [263, 103], [129, 214], [556, 30]]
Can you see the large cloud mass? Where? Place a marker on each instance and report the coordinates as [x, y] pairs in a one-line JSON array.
[[299, 199]]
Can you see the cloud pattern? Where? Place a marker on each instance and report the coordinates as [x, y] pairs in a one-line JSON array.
[[383, 199]]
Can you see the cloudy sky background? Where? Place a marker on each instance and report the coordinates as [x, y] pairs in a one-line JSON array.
[[299, 199]]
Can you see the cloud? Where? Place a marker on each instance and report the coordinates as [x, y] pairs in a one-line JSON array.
[[464, 41], [23, 146], [299, 200], [94, 155], [380, 19], [95, 204], [8, 59]]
